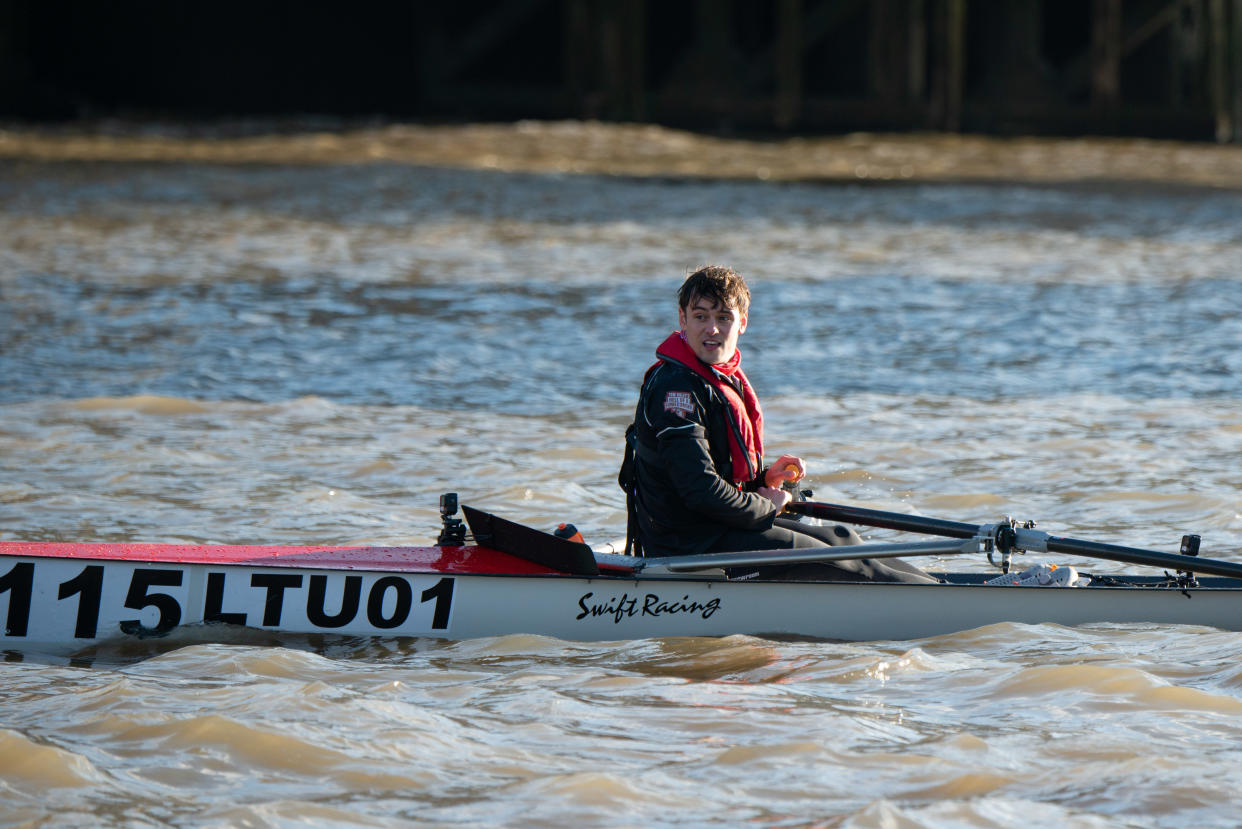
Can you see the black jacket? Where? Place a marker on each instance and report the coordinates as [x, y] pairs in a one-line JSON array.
[[684, 500]]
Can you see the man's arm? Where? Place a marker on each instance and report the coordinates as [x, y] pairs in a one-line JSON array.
[[676, 412]]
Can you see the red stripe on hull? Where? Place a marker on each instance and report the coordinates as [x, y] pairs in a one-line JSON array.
[[397, 559]]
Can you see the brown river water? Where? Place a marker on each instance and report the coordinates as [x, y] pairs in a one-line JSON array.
[[306, 338]]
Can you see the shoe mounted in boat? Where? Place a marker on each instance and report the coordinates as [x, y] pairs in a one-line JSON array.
[[1043, 575]]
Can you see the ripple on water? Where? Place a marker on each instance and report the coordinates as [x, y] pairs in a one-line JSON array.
[[33, 769], [249, 354]]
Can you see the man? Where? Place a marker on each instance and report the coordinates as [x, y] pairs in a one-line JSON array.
[[698, 480]]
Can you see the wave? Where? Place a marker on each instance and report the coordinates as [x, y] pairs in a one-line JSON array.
[[144, 403]]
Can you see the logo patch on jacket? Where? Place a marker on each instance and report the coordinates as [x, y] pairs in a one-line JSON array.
[[679, 401]]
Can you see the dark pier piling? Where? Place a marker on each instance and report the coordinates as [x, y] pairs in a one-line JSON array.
[[1158, 68]]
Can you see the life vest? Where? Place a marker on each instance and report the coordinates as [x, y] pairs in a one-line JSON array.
[[742, 405]]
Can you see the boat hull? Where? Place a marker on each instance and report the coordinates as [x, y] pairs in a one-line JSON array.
[[59, 603]]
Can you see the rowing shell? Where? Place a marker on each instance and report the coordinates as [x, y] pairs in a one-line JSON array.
[[61, 598]]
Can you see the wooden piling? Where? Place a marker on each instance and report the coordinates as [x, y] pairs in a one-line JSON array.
[[916, 78], [1236, 48], [1218, 58], [787, 60], [955, 63], [1106, 58], [636, 43], [948, 65], [578, 34], [621, 59]]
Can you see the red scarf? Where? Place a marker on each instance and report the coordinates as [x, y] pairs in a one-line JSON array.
[[743, 404]]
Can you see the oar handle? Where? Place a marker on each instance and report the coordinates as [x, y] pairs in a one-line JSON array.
[[884, 520]]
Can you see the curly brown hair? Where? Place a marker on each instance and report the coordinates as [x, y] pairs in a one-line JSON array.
[[721, 285]]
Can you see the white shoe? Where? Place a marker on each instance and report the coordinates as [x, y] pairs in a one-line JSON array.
[[1043, 575]]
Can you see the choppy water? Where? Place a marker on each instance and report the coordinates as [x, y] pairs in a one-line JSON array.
[[266, 353]]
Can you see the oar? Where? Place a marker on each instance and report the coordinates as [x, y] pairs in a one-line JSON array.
[[885, 520], [1023, 538]]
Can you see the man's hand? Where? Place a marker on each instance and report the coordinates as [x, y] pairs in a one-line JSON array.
[[776, 495], [787, 468]]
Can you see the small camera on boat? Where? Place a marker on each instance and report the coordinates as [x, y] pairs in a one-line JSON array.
[[448, 503], [452, 531]]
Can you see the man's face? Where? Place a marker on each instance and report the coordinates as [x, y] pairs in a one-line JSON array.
[[711, 329]]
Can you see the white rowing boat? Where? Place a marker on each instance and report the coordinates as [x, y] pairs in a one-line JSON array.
[[63, 598]]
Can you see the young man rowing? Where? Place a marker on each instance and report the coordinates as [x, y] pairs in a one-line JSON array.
[[699, 483]]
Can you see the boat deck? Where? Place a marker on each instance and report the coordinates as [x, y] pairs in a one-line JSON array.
[[465, 559]]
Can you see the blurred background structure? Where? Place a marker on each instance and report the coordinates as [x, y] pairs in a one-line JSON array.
[[1158, 68]]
